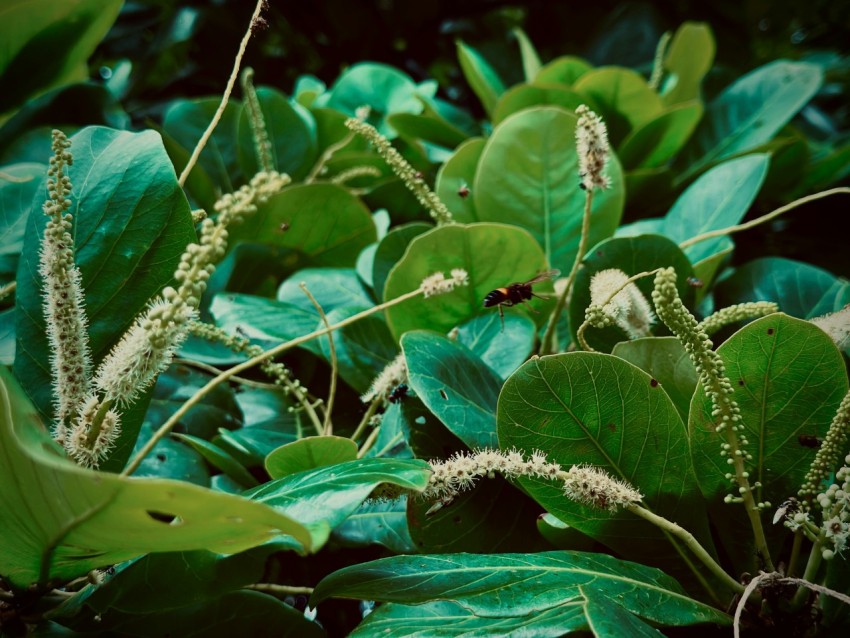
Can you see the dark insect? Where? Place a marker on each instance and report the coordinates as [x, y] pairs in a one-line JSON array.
[[786, 510], [516, 293], [284, 227], [398, 393], [809, 440], [463, 191]]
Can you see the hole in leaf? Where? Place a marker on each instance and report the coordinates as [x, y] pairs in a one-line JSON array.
[[740, 382], [444, 395], [162, 517], [161, 457], [770, 331]]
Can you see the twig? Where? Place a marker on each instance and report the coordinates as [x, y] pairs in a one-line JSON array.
[[166, 427], [231, 81], [369, 442], [764, 218], [326, 156], [364, 422], [282, 590], [213, 370], [327, 426], [8, 289], [748, 591]]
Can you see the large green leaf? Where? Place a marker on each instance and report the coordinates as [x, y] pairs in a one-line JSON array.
[[624, 98], [309, 453], [520, 585], [384, 89], [33, 31], [291, 132], [494, 255], [523, 96], [378, 522], [595, 409], [482, 77], [659, 140], [390, 249], [688, 58], [325, 222], [18, 185], [502, 346], [751, 111], [132, 223], [800, 289], [61, 521], [632, 255], [455, 385], [528, 176], [323, 498], [789, 379], [563, 70]]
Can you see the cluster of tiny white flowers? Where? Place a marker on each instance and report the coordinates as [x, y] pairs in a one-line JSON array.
[[829, 453], [835, 502], [836, 325], [583, 484], [593, 150], [628, 308], [438, 283], [392, 375], [87, 446]]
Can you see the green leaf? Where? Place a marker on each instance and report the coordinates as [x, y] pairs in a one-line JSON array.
[[623, 96], [132, 223], [563, 70], [659, 140], [291, 132], [455, 385], [688, 59], [482, 77], [608, 619], [19, 184], [7, 336], [456, 177], [390, 250], [523, 96], [384, 89], [503, 347], [309, 453], [472, 248], [665, 360], [563, 406], [528, 177], [751, 111], [530, 59], [219, 458], [325, 222], [632, 255], [378, 522], [323, 498], [519, 585], [170, 459], [789, 378], [427, 128], [333, 288], [95, 519], [800, 289], [718, 199], [34, 30]]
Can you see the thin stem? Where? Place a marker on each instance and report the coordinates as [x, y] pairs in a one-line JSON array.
[[166, 427], [281, 590], [546, 346], [8, 289], [795, 553], [213, 370], [326, 156], [364, 422], [369, 442], [231, 81], [812, 566], [764, 218], [327, 426], [690, 541]]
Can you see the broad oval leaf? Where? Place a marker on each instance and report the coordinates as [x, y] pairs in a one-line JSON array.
[[751, 111], [378, 522], [659, 140], [455, 385], [528, 176], [688, 59], [309, 453], [519, 585], [132, 223], [493, 255], [502, 346], [325, 222], [594, 409], [456, 177], [390, 249], [523, 96], [563, 70], [62, 521]]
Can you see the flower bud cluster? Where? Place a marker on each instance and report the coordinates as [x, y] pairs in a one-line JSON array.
[[613, 299], [584, 484], [712, 376], [837, 326], [829, 453], [64, 304], [835, 503], [411, 178], [256, 121], [593, 150], [438, 284], [738, 312], [91, 439]]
